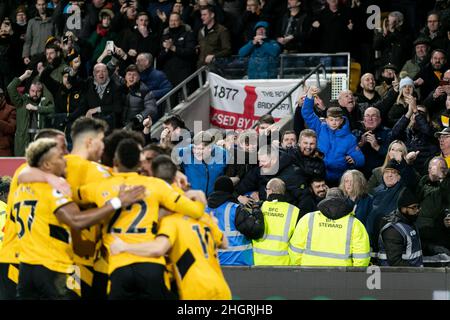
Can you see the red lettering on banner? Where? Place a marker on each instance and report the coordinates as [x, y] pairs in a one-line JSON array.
[[231, 120]]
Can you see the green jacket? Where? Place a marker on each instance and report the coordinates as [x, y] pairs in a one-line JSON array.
[[45, 107]]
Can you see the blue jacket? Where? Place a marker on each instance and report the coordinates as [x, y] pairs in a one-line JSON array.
[[363, 207], [156, 81], [335, 144], [263, 63], [201, 175], [239, 251]]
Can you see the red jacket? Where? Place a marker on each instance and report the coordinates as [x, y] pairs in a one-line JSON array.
[[7, 129]]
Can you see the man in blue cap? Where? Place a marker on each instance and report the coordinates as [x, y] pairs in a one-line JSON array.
[[263, 54]]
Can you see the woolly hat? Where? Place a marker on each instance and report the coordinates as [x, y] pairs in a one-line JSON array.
[[224, 183], [406, 81], [105, 12], [406, 198], [260, 24], [392, 165]]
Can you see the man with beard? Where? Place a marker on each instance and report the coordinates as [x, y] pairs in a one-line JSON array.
[[428, 79], [32, 108], [368, 96], [307, 157], [53, 58], [316, 192], [177, 58], [399, 240]]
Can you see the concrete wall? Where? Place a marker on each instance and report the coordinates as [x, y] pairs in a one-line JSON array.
[[293, 283]]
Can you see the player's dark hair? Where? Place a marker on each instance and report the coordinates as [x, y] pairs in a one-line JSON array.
[[175, 121], [113, 140], [128, 153], [84, 124], [156, 148], [164, 168]]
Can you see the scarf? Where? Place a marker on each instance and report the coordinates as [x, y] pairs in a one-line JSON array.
[[100, 88], [101, 31]]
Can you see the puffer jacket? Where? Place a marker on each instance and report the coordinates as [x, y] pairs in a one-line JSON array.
[[202, 175], [263, 60], [335, 144]]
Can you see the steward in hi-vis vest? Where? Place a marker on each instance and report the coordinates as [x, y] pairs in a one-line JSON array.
[[399, 240], [223, 205], [331, 236], [280, 219]]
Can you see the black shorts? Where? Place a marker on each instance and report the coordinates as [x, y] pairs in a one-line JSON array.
[[7, 285], [97, 290], [38, 282], [139, 281]]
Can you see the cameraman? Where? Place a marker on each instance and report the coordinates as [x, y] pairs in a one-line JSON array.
[[139, 102]]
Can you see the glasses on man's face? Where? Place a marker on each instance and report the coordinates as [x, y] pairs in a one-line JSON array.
[[371, 116]]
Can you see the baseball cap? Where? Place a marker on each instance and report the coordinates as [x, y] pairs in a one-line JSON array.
[[446, 131]]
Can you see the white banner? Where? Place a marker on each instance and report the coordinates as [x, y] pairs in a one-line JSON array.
[[237, 105]]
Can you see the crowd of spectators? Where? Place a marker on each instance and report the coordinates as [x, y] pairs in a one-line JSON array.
[[60, 60]]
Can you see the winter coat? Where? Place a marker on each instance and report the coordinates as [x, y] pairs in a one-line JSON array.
[[200, 174], [37, 34], [374, 158], [156, 81], [263, 60], [335, 144], [295, 183], [137, 99], [434, 197], [419, 138], [180, 64], [311, 166], [70, 104], [110, 103], [45, 107], [216, 42], [385, 200], [363, 206], [7, 129]]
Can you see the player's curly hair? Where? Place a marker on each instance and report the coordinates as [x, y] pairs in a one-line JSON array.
[[37, 150]]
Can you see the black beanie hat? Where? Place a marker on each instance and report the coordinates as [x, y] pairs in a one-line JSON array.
[[224, 183], [406, 198], [393, 165]]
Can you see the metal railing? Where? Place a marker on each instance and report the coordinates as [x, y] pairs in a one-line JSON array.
[[290, 66], [302, 82], [184, 89]]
